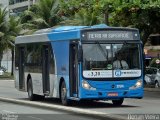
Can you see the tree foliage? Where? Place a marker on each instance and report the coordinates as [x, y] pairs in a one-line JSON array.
[[41, 15], [142, 14], [9, 29], [83, 11]]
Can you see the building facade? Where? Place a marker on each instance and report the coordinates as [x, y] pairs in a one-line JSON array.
[[4, 4], [16, 6]]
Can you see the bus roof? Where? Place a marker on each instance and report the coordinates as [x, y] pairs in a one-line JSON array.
[[60, 33], [68, 28]]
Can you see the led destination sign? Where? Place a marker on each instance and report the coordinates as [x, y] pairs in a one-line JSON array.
[[110, 35]]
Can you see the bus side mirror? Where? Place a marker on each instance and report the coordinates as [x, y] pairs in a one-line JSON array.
[[80, 54]]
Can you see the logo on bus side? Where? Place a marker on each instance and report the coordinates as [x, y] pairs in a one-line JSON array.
[[118, 73]]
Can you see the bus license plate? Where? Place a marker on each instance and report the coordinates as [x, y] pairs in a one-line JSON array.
[[113, 94]]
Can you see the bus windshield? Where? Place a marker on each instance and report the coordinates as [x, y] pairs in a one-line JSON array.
[[111, 60]]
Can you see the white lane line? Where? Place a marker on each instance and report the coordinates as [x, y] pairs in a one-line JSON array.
[[35, 118], [6, 111], [7, 80]]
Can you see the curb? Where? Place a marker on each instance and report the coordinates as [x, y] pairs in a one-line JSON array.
[[89, 113], [6, 80]]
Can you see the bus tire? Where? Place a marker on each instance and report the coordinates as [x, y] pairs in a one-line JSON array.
[[117, 102], [31, 96], [63, 94]]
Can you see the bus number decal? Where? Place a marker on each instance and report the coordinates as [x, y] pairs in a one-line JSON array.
[[97, 73]]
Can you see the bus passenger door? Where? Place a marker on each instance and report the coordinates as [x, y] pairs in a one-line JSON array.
[[45, 70], [73, 70], [21, 68]]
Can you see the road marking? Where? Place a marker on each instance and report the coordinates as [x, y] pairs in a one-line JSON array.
[[8, 111], [35, 118], [63, 108]]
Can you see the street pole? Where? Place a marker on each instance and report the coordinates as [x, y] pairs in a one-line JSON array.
[[12, 61], [158, 59]]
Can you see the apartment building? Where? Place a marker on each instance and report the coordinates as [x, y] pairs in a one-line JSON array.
[[17, 6], [4, 3]]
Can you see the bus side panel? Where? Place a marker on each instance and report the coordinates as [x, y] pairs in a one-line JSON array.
[[37, 83], [55, 87], [53, 74], [61, 51], [61, 54], [16, 73]]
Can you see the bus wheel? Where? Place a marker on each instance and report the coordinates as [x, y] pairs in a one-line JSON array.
[[117, 102], [63, 94], [31, 96]]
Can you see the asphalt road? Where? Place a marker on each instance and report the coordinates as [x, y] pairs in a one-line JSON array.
[[10, 111], [150, 104]]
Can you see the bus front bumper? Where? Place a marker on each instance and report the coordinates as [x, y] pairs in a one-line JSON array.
[[111, 94]]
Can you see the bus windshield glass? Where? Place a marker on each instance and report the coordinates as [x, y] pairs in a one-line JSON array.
[[111, 60]]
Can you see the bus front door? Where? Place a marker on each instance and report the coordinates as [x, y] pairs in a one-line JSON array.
[[73, 79], [45, 70]]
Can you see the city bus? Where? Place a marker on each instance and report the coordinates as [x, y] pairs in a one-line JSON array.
[[77, 63]]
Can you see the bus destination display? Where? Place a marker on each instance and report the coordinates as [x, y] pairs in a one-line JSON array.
[[110, 35]]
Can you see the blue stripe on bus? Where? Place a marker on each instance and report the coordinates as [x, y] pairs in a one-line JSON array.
[[62, 63], [71, 35]]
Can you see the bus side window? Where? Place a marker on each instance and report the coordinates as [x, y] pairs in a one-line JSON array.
[[29, 57]]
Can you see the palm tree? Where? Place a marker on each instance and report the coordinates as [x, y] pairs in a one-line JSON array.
[[84, 12], [41, 15], [31, 22], [86, 17], [9, 29], [3, 31], [13, 31], [48, 9]]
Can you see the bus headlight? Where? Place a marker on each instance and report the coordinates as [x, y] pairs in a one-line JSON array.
[[87, 86], [137, 85]]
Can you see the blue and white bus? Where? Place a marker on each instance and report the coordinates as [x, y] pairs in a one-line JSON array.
[[77, 63]]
